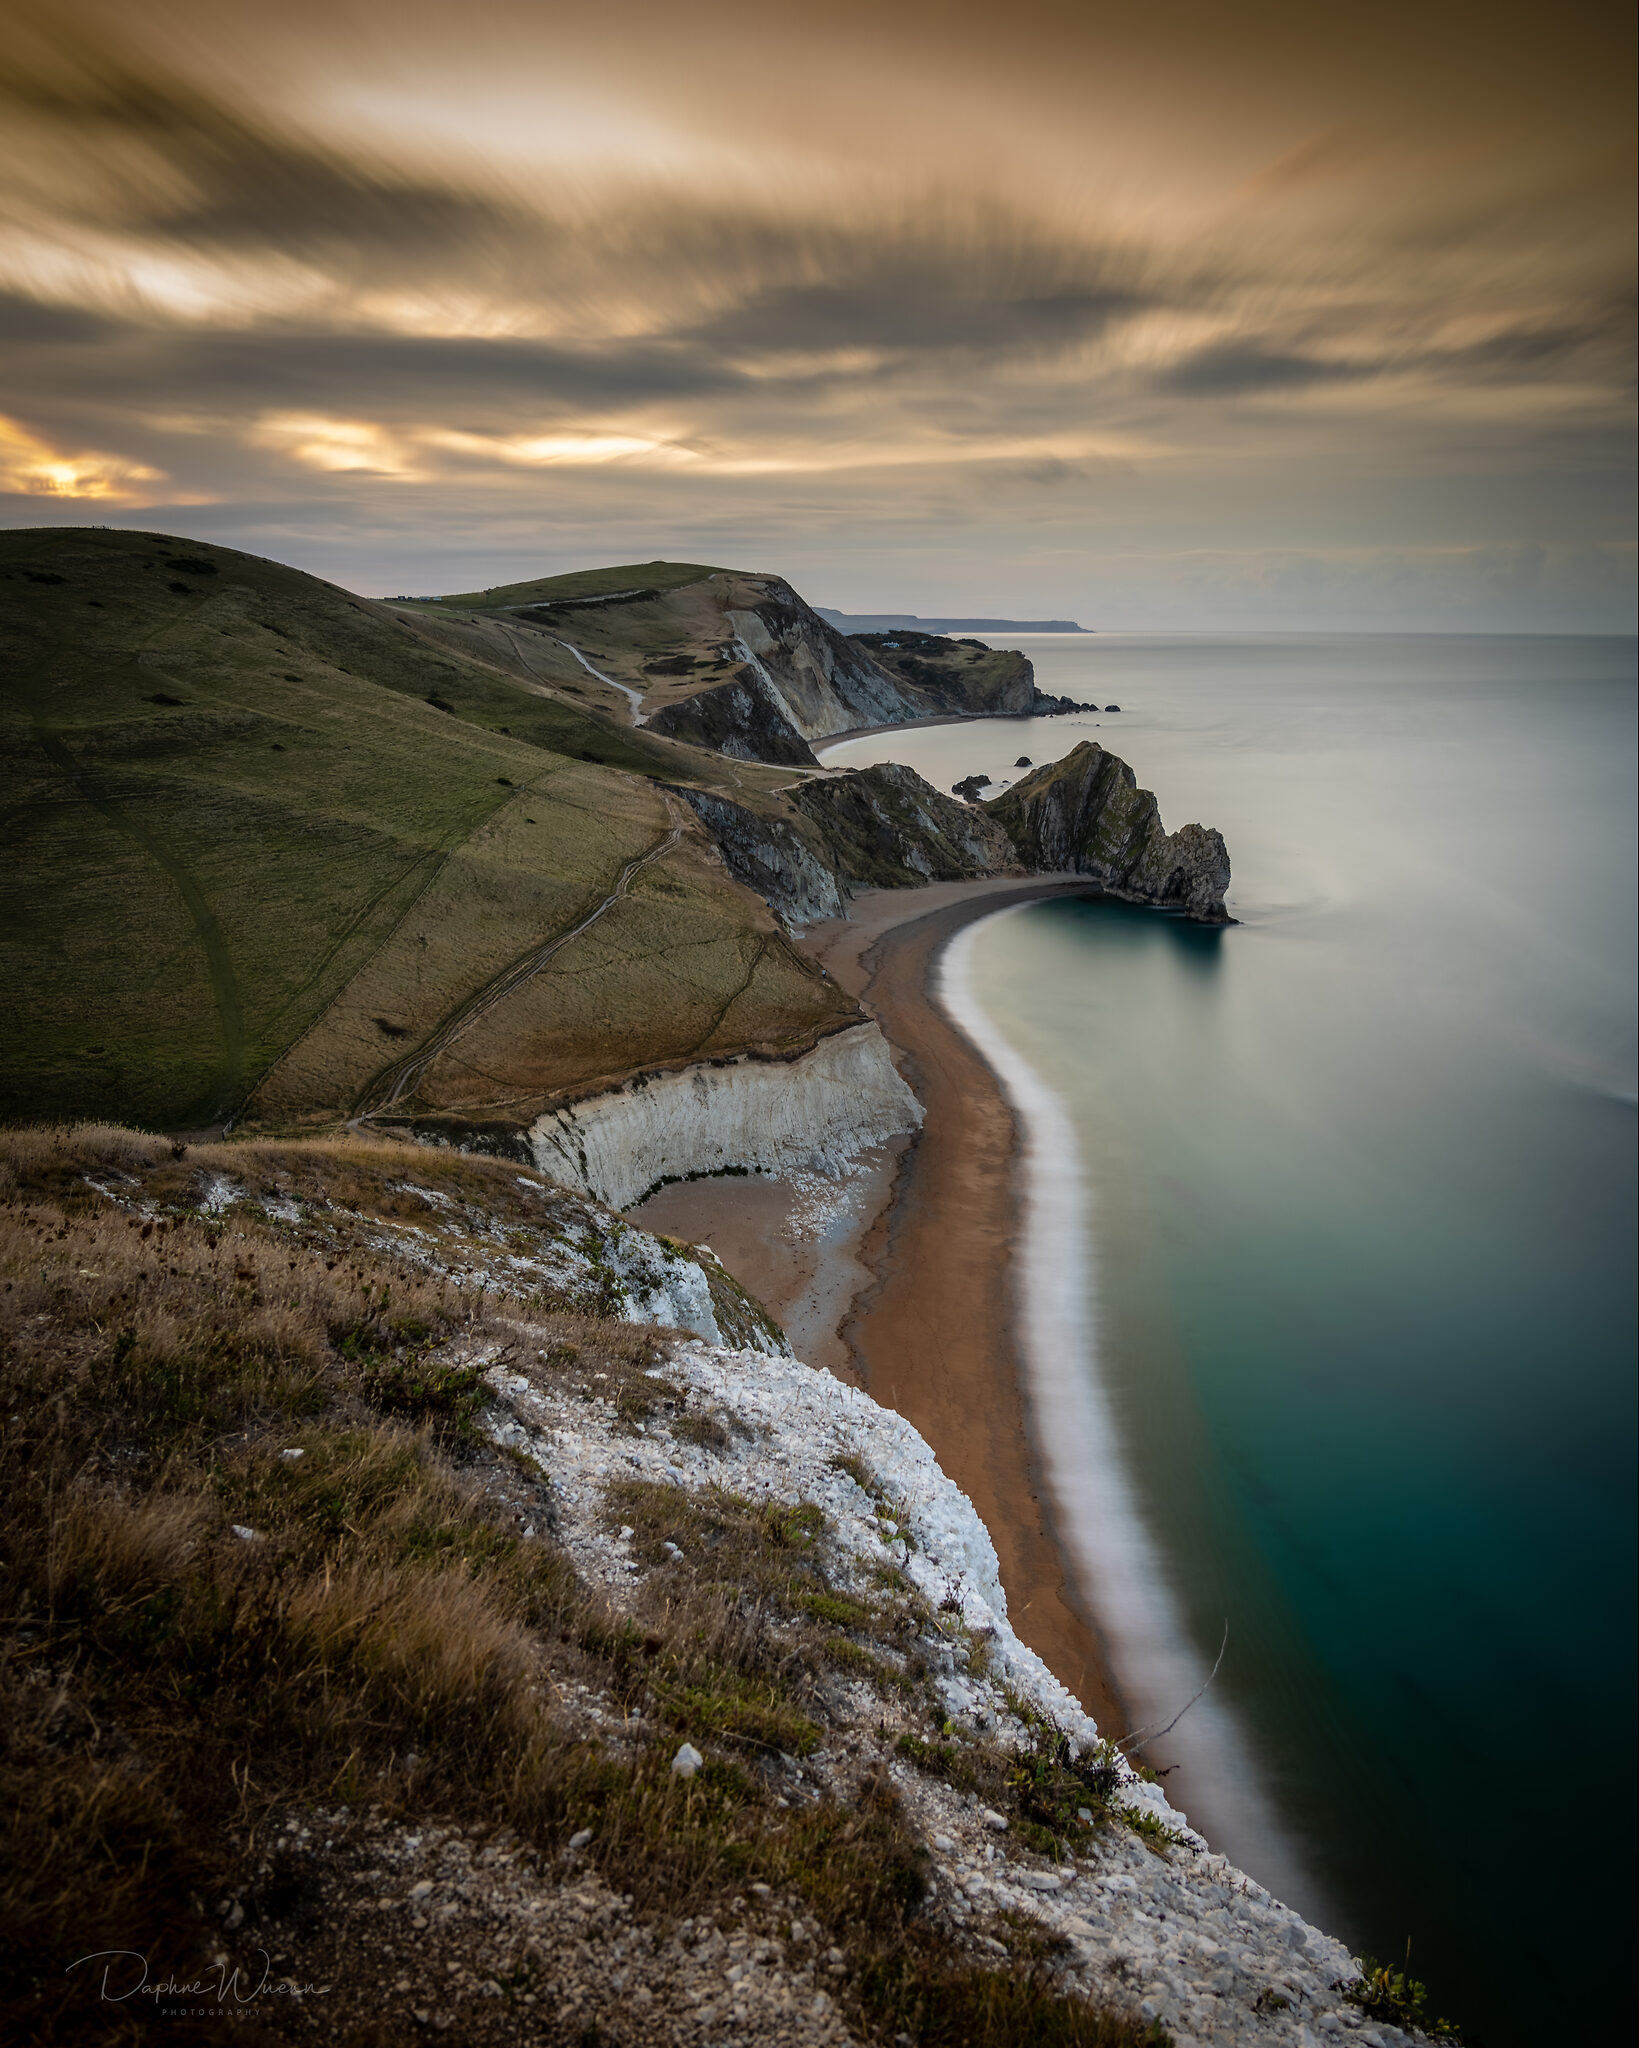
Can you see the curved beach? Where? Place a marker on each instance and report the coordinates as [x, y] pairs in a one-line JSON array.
[[939, 1333]]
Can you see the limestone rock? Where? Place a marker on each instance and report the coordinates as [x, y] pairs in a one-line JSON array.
[[771, 856], [888, 829], [1086, 815], [798, 680]]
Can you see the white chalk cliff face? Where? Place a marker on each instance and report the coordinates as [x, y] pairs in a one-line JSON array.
[[756, 1115]]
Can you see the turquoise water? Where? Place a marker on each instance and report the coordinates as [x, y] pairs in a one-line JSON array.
[[1361, 1251]]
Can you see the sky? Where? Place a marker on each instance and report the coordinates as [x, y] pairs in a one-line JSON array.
[[1173, 315]]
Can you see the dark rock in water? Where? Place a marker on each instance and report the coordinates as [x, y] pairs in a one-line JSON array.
[[1108, 707], [1086, 815], [970, 787], [1023, 761]]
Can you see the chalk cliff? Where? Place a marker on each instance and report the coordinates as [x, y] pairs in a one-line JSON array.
[[739, 1115], [798, 679]]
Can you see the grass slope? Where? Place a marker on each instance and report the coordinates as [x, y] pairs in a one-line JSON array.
[[250, 854], [587, 583], [235, 1682]]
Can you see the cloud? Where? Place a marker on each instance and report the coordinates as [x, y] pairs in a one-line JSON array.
[[1239, 369], [31, 467], [728, 283]]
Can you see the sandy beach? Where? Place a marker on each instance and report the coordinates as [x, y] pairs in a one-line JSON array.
[[938, 1334], [901, 1278]]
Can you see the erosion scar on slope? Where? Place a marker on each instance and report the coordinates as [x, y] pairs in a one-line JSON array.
[[392, 1083]]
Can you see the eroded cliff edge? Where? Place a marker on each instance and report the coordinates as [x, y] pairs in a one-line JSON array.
[[885, 827]]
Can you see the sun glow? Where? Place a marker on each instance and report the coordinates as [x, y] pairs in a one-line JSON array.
[[318, 441], [33, 468]]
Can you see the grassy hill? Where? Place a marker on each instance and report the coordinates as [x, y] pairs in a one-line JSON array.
[[725, 660], [582, 583], [269, 840]]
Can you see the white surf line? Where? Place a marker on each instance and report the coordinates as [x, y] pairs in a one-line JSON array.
[[633, 697], [1111, 1550]]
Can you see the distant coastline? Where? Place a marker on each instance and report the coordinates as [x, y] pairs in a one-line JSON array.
[[890, 622]]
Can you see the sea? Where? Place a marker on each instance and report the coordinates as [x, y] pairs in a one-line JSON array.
[[1332, 1302]]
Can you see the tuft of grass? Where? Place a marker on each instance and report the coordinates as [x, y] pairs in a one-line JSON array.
[[705, 1431], [919, 1992], [1382, 1992]]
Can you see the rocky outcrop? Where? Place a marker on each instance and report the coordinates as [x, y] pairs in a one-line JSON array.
[[739, 718], [1086, 815], [965, 678], [729, 1116], [772, 857], [798, 680], [888, 829]]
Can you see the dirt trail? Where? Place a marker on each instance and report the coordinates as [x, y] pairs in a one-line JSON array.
[[392, 1083]]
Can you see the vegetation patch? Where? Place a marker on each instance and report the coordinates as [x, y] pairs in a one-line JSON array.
[[239, 1583], [1383, 1992]]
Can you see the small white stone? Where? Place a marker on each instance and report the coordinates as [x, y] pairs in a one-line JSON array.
[[293, 1455], [995, 1820], [687, 1761], [245, 1535], [580, 1838], [944, 1845]]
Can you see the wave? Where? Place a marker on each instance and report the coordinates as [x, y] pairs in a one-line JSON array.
[[1110, 1551]]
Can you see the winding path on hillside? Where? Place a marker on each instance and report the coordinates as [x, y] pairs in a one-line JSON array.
[[395, 1081]]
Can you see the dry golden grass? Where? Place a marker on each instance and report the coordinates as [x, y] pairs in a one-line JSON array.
[[200, 1632]]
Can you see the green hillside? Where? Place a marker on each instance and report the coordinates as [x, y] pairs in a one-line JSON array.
[[629, 576], [266, 840]]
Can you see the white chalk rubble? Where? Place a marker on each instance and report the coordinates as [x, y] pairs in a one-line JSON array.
[[1185, 1937]]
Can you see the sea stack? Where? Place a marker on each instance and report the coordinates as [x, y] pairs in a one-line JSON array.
[[1086, 815]]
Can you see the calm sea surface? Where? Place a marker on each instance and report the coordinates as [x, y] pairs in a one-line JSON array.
[[1359, 1256]]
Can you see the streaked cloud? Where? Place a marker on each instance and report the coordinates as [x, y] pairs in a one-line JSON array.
[[1004, 295], [33, 468]]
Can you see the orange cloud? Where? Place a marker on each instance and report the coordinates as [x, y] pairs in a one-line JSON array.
[[33, 468]]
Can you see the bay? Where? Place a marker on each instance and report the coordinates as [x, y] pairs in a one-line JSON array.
[[1359, 1260]]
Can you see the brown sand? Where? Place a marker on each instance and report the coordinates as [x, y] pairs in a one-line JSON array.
[[937, 1336], [796, 1243], [904, 1284]]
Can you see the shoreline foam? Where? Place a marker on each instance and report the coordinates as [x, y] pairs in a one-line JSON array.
[[1099, 1518]]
